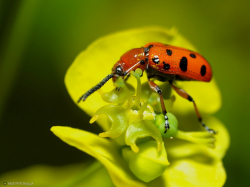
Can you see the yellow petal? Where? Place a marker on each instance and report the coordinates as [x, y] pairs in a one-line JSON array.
[[191, 173], [103, 150], [200, 137], [192, 165], [221, 143], [222, 138]]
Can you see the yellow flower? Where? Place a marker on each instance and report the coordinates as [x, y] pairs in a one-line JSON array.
[[145, 163]]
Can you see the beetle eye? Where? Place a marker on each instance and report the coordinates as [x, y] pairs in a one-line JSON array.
[[118, 70]]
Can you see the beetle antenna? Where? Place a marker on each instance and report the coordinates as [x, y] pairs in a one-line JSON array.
[[98, 86]]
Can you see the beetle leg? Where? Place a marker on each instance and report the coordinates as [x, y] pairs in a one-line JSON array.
[[128, 75], [157, 89], [185, 95]]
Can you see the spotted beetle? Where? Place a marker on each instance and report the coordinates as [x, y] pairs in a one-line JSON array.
[[164, 63]]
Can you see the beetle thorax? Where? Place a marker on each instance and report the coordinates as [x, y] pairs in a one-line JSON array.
[[131, 60]]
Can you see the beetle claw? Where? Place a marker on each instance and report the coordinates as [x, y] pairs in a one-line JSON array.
[[208, 129], [212, 131], [166, 124]]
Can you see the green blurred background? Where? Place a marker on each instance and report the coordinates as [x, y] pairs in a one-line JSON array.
[[39, 39]]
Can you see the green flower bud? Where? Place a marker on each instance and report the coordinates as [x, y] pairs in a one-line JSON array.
[[173, 124], [148, 163]]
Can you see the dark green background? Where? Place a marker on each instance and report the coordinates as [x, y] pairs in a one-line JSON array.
[[39, 39]]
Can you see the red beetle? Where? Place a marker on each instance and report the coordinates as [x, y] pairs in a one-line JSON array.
[[165, 63]]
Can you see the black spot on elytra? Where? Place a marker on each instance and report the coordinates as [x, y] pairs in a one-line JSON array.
[[142, 62], [156, 60], [192, 55], [203, 70], [166, 66], [183, 64], [150, 46], [169, 52]]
